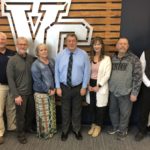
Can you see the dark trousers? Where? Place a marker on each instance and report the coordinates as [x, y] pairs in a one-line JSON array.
[[144, 108], [97, 114], [25, 114], [71, 108]]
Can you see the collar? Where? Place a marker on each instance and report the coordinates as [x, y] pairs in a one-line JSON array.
[[68, 51], [4, 52], [127, 53]]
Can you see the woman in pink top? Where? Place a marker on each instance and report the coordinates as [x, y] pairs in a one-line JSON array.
[[97, 96]]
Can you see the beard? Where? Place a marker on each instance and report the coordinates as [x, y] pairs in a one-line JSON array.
[[21, 52]]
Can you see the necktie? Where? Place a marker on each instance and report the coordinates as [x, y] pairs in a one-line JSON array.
[[69, 71]]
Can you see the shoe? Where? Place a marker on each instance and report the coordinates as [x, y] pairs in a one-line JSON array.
[[78, 135], [64, 136], [121, 135], [113, 131], [90, 132], [1, 140], [139, 136], [97, 131], [22, 139]]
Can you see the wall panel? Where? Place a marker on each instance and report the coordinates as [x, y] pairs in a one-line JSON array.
[[103, 15]]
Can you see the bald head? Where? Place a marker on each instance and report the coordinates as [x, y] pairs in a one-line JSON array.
[[3, 40], [2, 34], [123, 39]]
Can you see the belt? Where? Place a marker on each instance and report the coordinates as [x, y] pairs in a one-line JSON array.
[[70, 87], [40, 92]]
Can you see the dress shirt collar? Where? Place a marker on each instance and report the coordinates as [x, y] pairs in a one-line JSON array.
[[68, 51]]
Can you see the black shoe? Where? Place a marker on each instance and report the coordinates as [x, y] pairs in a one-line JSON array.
[[64, 136], [11, 131], [148, 129], [121, 135], [139, 136], [78, 135], [22, 140]]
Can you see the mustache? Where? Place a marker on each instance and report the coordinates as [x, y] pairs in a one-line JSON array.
[[21, 49], [122, 48]]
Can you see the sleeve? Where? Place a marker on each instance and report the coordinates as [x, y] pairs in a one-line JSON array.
[[107, 72], [146, 81], [87, 70], [137, 76], [39, 85], [11, 78]]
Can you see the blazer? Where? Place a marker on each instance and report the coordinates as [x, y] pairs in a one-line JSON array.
[[104, 72]]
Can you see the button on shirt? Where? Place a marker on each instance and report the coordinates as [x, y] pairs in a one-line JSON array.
[[3, 64], [80, 68]]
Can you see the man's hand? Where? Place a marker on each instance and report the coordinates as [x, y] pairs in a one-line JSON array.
[[18, 100], [59, 92], [82, 91], [133, 98]]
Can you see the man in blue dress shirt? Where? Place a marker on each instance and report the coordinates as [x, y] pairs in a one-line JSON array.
[[72, 74]]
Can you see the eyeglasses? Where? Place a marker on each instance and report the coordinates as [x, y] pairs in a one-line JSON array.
[[22, 44]]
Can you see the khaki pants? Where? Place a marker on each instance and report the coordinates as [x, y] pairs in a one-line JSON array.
[[7, 100]]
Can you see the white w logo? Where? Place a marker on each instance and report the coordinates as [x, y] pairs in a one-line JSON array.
[[42, 22]]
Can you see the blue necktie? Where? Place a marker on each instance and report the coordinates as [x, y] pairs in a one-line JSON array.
[[69, 72]]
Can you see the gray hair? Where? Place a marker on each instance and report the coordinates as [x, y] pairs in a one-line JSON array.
[[21, 38], [38, 47]]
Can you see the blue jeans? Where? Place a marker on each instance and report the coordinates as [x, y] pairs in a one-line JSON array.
[[120, 110]]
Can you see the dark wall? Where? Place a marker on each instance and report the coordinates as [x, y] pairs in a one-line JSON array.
[[135, 24]]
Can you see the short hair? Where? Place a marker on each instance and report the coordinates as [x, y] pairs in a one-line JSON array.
[[3, 34], [123, 38], [72, 35], [21, 38], [38, 47]]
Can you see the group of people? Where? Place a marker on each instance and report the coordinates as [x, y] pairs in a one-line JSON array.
[[28, 86]]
